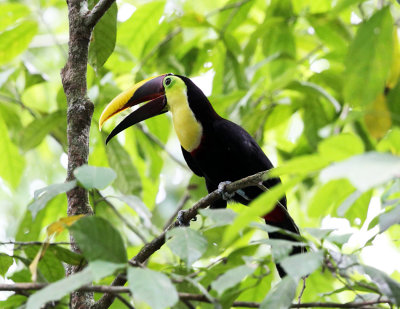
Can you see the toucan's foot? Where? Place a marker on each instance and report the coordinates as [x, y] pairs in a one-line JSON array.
[[221, 190], [227, 196], [181, 216]]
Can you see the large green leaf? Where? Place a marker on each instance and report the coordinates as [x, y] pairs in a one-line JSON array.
[[93, 177], [386, 285], [258, 208], [44, 195], [136, 31], [300, 265], [11, 162], [11, 12], [152, 287], [128, 180], [103, 38], [341, 146], [231, 278], [65, 286], [188, 244], [99, 240], [5, 262], [281, 295], [14, 301], [369, 58], [34, 133], [15, 40], [365, 171]]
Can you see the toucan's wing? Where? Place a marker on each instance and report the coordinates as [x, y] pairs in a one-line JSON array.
[[241, 146], [191, 163]]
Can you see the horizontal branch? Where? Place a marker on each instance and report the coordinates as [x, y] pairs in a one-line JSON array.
[[33, 243], [19, 287], [151, 247]]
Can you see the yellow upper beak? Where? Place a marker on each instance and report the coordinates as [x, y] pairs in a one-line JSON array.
[[123, 101]]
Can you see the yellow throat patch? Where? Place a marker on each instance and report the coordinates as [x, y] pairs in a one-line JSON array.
[[188, 129]]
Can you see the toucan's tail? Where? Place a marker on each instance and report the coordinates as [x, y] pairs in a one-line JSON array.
[[279, 217]]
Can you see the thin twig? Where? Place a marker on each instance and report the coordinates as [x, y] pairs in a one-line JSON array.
[[154, 139], [97, 12], [227, 7], [302, 290], [133, 228], [124, 301]]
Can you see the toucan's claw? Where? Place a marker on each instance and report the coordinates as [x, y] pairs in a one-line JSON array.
[[221, 190], [180, 218]]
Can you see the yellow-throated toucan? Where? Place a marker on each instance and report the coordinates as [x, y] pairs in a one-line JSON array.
[[213, 147]]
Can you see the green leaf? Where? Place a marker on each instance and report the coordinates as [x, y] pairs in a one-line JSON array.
[[301, 165], [66, 256], [104, 35], [44, 195], [93, 177], [369, 58], [101, 269], [14, 301], [14, 40], [332, 31], [219, 217], [188, 244], [128, 180], [258, 208], [34, 133], [386, 285], [342, 146], [99, 240], [328, 197], [152, 287], [231, 278], [11, 162], [5, 262], [281, 295], [365, 171], [393, 103], [301, 265], [315, 89], [10, 13], [389, 218], [67, 285], [136, 31], [32, 78]]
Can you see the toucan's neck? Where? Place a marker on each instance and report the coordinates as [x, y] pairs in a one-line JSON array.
[[192, 113], [199, 103]]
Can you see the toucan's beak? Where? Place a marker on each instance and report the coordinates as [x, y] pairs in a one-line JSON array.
[[150, 89]]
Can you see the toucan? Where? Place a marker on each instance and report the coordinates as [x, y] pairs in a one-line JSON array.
[[214, 148]]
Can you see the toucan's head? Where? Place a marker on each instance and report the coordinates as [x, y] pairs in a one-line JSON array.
[[162, 93]]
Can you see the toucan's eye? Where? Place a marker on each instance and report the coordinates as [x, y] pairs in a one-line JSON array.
[[167, 81]]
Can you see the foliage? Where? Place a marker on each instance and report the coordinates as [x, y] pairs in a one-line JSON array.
[[315, 82]]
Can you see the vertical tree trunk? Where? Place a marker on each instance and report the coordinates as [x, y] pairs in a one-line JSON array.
[[79, 116]]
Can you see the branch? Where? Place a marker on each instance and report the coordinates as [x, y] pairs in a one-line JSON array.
[[97, 12], [20, 287], [155, 140], [189, 214], [33, 243]]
